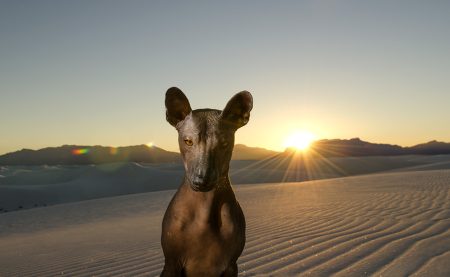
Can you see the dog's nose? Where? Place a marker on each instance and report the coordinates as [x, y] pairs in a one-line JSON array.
[[198, 179]]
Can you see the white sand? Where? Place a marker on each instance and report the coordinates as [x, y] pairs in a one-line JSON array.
[[25, 187], [394, 224]]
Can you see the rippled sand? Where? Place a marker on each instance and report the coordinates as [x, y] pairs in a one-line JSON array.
[[392, 224]]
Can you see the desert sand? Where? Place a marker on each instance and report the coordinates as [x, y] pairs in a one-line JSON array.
[[387, 224], [25, 187]]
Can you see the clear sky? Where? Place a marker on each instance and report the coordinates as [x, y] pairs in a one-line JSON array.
[[95, 72]]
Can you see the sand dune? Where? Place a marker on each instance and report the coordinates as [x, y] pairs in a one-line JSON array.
[[393, 224], [24, 187]]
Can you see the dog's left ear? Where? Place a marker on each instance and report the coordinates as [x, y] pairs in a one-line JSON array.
[[237, 110]]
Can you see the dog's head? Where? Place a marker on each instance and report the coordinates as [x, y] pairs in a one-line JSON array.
[[206, 136]]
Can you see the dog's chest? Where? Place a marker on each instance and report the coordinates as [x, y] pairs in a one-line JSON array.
[[201, 228], [206, 224], [205, 244]]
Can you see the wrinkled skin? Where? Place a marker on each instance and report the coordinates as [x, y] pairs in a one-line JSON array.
[[203, 230]]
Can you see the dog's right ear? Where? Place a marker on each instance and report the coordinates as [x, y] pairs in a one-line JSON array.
[[177, 106]]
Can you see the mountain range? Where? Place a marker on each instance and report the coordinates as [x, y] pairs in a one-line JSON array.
[[79, 155], [357, 147]]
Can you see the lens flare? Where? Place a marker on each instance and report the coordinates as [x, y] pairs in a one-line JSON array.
[[80, 151]]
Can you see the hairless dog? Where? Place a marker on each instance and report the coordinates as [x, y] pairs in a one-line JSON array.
[[203, 230]]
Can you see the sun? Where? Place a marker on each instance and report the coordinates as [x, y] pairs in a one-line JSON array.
[[300, 140]]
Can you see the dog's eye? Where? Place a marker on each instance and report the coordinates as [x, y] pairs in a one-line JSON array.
[[188, 142]]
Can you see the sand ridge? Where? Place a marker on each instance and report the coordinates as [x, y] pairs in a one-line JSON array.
[[25, 187], [392, 224]]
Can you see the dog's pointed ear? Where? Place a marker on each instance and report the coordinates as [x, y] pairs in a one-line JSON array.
[[177, 106], [237, 111]]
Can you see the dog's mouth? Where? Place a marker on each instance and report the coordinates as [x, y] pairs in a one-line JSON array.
[[202, 188], [201, 185]]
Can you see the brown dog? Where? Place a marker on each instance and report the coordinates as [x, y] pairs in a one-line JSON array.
[[203, 230]]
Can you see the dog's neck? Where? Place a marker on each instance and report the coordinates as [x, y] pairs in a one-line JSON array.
[[205, 207]]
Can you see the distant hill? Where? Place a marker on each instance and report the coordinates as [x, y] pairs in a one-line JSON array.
[[84, 154], [356, 147], [79, 155], [430, 148], [243, 152]]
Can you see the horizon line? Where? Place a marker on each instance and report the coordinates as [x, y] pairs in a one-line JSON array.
[[177, 150]]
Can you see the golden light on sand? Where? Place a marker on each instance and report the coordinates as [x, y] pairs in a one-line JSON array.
[[300, 140]]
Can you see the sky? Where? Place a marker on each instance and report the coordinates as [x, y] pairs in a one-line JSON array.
[[96, 72]]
